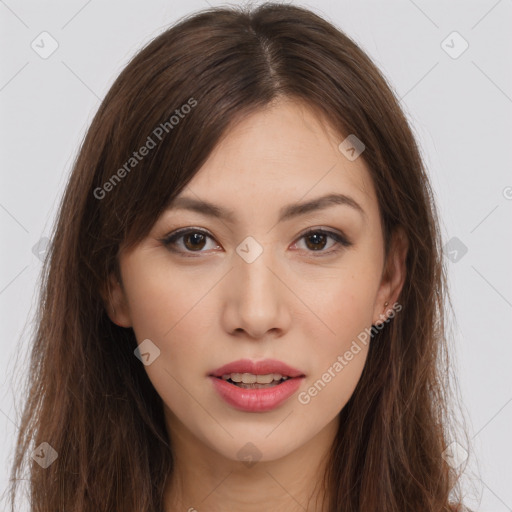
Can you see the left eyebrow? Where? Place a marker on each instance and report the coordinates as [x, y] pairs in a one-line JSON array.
[[285, 213]]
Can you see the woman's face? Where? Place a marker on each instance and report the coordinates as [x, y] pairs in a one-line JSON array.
[[246, 283]]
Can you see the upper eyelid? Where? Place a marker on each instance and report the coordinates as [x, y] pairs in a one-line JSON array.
[[183, 231]]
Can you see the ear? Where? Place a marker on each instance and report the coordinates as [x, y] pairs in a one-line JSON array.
[[116, 305], [393, 276]]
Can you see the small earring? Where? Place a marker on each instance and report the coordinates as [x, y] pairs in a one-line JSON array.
[[386, 303]]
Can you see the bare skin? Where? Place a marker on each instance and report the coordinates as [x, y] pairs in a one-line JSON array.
[[303, 301]]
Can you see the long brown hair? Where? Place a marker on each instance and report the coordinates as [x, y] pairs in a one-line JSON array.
[[90, 398]]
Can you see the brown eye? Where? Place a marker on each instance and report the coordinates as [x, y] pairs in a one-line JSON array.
[[194, 240], [188, 241], [316, 240]]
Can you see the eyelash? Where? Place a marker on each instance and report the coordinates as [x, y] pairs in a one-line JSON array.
[[341, 240]]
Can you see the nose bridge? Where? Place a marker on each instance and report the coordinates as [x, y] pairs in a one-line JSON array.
[[253, 272], [258, 294]]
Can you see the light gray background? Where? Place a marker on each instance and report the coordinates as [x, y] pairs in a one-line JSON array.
[[460, 109]]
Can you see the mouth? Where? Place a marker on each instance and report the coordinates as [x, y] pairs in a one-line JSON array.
[[252, 381], [256, 386], [255, 396]]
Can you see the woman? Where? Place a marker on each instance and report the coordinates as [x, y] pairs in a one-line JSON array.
[[243, 300]]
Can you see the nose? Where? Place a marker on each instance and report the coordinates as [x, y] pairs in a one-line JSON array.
[[257, 299]]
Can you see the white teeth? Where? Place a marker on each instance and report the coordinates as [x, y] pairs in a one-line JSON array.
[[249, 378], [264, 379]]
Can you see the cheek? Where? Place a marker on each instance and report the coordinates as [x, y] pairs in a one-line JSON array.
[[345, 298], [167, 307], [164, 309], [338, 358], [345, 305], [161, 299]]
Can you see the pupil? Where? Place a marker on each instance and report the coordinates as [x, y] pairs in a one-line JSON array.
[[194, 237], [316, 236]]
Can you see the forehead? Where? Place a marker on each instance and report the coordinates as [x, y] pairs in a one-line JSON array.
[[278, 155]]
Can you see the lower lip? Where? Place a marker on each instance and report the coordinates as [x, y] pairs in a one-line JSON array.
[[256, 400]]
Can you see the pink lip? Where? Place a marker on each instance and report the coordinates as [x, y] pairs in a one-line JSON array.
[[256, 400], [257, 368]]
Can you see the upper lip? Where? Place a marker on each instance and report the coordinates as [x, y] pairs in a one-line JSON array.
[[264, 367]]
